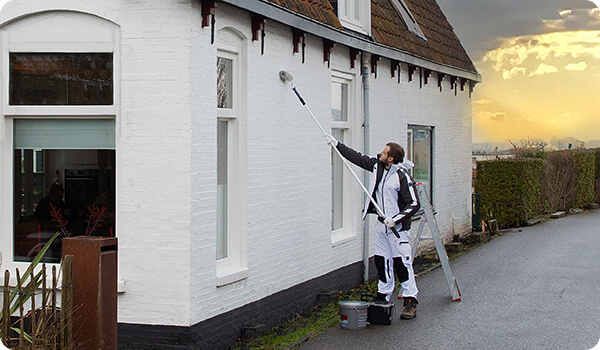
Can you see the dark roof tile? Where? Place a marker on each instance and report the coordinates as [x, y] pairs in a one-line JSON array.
[[319, 10], [388, 28]]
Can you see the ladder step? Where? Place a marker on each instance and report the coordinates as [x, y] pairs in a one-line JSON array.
[[437, 238]]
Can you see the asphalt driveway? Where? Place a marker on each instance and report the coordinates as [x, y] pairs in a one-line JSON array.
[[532, 288]]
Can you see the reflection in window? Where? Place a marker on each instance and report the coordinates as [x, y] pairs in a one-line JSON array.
[[340, 127], [419, 151], [222, 189], [61, 79], [63, 182], [224, 83]]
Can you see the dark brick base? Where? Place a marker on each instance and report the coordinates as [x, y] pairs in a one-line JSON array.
[[221, 332]]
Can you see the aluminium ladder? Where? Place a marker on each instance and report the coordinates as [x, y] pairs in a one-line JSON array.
[[429, 218]]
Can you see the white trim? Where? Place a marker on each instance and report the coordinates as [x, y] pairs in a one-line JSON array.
[[408, 18], [357, 21], [347, 232], [27, 41], [231, 45]]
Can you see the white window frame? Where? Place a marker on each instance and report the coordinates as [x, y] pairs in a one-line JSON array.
[[408, 18], [347, 231], [350, 18], [410, 155], [102, 37], [234, 267]]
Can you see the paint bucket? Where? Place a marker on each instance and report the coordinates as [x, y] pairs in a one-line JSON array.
[[353, 314]]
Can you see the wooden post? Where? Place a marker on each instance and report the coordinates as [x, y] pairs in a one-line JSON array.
[[6, 310], [66, 310], [32, 296], [53, 306], [21, 321], [44, 309]]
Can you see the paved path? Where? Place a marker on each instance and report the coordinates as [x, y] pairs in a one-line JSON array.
[[534, 289]]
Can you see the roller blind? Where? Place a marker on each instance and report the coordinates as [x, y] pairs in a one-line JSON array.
[[64, 133]]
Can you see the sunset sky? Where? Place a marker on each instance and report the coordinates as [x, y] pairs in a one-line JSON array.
[[540, 67]]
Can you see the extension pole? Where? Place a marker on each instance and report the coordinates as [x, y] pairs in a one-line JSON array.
[[285, 76]]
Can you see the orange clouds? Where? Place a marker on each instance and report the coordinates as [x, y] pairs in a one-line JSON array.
[[542, 85]]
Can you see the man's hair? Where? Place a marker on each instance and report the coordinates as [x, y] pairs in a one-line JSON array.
[[396, 151]]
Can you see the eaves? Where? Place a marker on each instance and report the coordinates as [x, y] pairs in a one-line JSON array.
[[350, 39]]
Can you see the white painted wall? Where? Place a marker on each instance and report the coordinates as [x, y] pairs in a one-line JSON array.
[[166, 154]]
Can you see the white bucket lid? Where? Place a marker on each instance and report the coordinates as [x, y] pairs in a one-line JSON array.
[[354, 304]]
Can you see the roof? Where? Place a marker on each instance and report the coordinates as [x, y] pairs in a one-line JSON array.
[[442, 45], [319, 10]]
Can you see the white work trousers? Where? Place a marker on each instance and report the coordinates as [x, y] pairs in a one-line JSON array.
[[390, 247]]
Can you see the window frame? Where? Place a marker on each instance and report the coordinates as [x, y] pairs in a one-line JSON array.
[[105, 39], [360, 23], [409, 20], [234, 267], [411, 156], [348, 128]]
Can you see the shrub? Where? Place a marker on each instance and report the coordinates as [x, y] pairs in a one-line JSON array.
[[568, 179], [509, 189], [597, 175]]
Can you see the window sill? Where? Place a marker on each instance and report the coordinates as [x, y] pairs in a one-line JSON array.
[[230, 275], [338, 238]]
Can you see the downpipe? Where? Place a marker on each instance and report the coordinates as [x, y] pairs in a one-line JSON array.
[[366, 147]]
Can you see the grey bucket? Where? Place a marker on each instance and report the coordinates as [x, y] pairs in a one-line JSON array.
[[353, 314]]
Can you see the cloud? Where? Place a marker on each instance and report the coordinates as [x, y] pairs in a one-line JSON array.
[[574, 20], [515, 53], [544, 69], [579, 67], [483, 101], [492, 116], [513, 72]]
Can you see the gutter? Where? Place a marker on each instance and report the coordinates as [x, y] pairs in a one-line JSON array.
[[308, 25]]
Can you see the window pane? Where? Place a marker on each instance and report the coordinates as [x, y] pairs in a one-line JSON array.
[[337, 185], [73, 192], [65, 133], [339, 102], [422, 158], [221, 189], [61, 79], [224, 83]]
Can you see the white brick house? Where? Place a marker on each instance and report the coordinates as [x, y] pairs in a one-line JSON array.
[[224, 201]]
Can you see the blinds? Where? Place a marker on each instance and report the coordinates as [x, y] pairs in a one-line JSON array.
[[64, 133]]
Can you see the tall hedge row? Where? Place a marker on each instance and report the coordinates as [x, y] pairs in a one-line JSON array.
[[514, 190], [597, 177], [510, 189]]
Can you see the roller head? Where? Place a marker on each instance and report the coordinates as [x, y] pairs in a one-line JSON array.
[[285, 76]]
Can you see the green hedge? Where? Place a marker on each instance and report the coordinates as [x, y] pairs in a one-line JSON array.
[[597, 156], [586, 169], [510, 189]]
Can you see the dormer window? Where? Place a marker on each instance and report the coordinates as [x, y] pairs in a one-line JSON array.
[[408, 18], [354, 14]]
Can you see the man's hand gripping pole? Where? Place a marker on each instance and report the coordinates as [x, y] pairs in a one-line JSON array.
[[285, 76]]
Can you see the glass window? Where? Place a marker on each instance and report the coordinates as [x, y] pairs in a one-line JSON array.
[[224, 83], [337, 186], [64, 184], [339, 102], [341, 115], [354, 14], [419, 151], [61, 79], [222, 189]]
